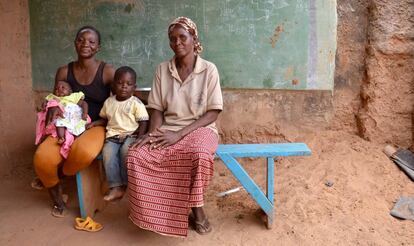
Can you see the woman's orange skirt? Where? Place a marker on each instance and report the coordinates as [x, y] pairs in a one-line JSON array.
[[83, 151]]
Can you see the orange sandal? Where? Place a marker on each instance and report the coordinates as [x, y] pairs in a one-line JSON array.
[[87, 225]]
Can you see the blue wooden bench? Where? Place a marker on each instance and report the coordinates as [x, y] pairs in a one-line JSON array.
[[90, 191], [228, 153]]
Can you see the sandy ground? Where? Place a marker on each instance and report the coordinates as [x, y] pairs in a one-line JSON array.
[[354, 211]]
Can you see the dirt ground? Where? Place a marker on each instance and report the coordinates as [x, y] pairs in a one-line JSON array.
[[353, 211]]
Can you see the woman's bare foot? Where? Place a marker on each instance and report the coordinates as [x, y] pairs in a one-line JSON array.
[[114, 194]]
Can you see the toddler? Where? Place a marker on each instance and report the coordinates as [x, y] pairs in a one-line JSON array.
[[126, 118]]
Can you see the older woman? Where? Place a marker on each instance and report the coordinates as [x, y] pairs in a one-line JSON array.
[[92, 77], [170, 167]]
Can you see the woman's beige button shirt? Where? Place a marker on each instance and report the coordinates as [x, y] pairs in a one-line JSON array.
[[183, 102]]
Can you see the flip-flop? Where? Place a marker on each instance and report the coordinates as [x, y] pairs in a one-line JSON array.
[[201, 227], [59, 212], [87, 225], [37, 184]]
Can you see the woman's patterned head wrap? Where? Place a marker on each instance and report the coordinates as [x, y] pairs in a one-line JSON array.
[[191, 28]]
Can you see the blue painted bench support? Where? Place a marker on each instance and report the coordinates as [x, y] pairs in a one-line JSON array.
[[228, 153], [91, 187]]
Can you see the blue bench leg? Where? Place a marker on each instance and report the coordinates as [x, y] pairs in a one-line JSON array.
[[80, 195], [270, 189], [250, 186], [90, 189]]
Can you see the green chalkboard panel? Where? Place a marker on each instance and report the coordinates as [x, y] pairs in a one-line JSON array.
[[282, 44]]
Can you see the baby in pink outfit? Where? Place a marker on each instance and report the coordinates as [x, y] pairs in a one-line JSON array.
[[64, 116]]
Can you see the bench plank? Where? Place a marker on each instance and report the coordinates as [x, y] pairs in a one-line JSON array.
[[264, 150]]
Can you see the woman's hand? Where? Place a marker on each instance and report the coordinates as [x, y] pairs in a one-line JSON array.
[[100, 122], [160, 139], [42, 107], [89, 125], [140, 141], [84, 116], [157, 139], [53, 113]]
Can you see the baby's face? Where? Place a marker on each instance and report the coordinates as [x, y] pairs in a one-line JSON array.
[[62, 89]]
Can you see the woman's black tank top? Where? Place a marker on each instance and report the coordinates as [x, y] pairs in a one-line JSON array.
[[95, 93]]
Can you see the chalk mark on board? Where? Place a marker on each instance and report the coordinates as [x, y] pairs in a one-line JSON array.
[[300, 7], [252, 39], [147, 48]]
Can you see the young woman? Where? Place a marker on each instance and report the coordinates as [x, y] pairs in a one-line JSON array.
[[170, 167], [92, 77]]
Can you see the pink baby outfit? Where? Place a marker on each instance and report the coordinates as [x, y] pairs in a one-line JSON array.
[[42, 131]]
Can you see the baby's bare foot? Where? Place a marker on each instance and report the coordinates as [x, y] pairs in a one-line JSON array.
[[61, 140]]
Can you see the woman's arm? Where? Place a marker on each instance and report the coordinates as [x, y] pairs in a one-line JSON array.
[[108, 74], [162, 139], [61, 74], [142, 128], [156, 119]]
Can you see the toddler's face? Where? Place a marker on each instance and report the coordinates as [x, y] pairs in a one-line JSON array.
[[124, 87], [62, 89]]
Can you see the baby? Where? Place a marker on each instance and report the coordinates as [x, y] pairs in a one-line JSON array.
[[65, 116]]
